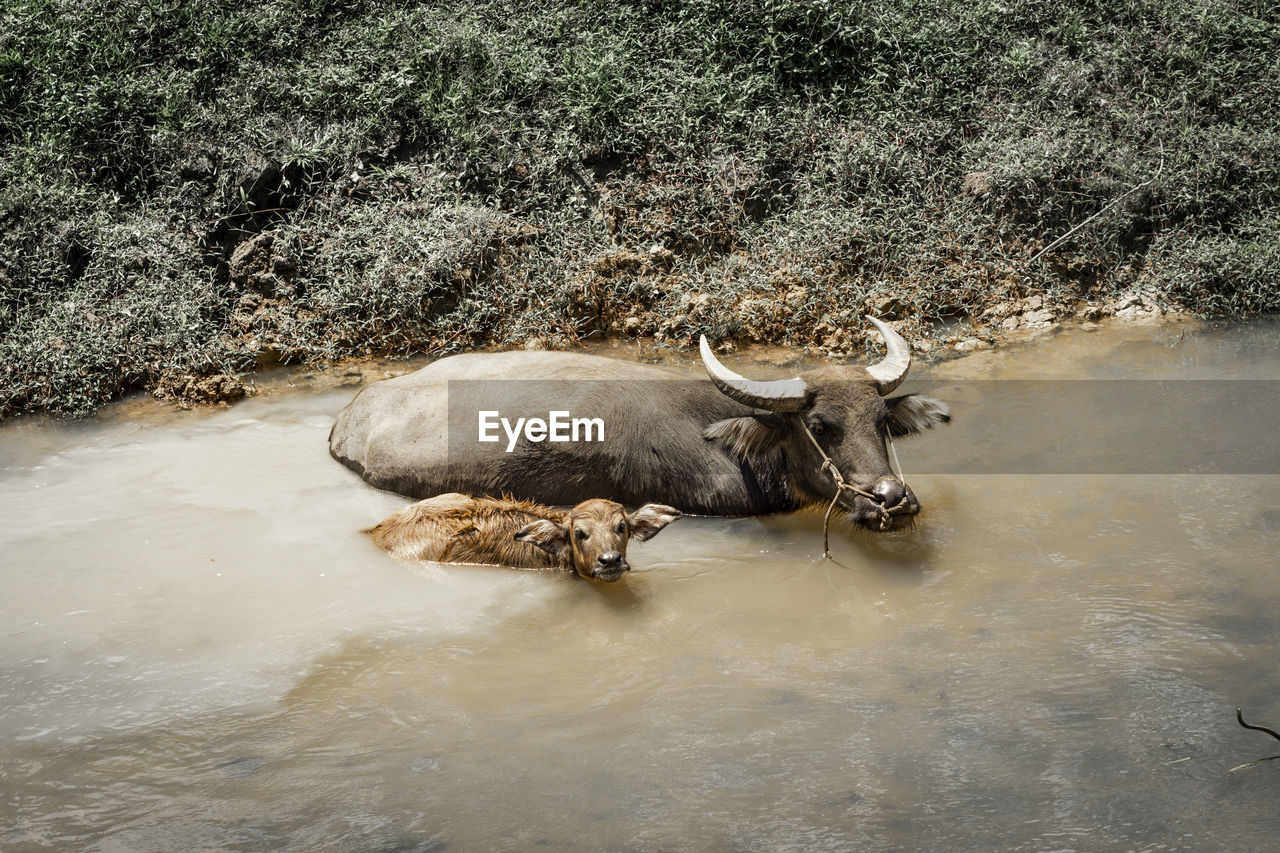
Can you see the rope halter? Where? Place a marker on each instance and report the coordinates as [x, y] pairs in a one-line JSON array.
[[885, 513]]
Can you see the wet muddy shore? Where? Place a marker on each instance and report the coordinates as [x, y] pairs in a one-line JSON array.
[[1017, 325]]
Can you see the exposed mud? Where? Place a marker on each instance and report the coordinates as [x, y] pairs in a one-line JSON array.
[[1003, 325]]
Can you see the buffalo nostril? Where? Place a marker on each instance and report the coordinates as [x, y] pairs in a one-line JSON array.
[[609, 558], [890, 491]]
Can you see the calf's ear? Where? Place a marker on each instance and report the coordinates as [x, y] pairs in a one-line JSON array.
[[910, 414], [649, 519], [547, 535]]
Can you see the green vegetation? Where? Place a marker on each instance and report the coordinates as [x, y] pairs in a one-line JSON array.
[[190, 189]]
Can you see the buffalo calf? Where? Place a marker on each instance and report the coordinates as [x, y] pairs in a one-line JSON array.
[[590, 539]]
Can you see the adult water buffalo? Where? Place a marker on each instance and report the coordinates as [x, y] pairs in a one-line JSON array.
[[728, 446]]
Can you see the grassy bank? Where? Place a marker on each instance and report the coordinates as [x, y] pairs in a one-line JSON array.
[[190, 190]]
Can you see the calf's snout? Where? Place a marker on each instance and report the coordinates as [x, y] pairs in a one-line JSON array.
[[609, 566]]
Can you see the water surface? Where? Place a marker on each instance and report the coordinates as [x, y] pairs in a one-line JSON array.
[[202, 651]]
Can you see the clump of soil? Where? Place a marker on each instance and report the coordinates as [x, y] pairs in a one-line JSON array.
[[189, 391]]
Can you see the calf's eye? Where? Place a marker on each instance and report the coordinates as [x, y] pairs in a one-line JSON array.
[[581, 534], [621, 528]]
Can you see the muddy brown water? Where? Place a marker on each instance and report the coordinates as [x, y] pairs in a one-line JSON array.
[[202, 652]]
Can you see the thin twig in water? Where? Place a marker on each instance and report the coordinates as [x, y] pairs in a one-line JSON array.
[[1251, 763], [1274, 734], [1240, 719]]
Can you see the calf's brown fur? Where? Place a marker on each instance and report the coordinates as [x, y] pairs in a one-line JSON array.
[[590, 539]]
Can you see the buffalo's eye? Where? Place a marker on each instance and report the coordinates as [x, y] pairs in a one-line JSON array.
[[621, 528], [817, 427], [581, 534]]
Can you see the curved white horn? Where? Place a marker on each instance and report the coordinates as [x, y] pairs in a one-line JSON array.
[[890, 371], [779, 395]]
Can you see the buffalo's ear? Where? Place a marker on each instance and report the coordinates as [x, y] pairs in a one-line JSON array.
[[910, 414], [547, 535], [749, 435], [648, 520]]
